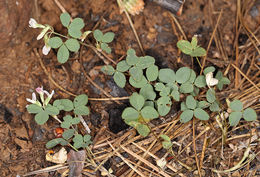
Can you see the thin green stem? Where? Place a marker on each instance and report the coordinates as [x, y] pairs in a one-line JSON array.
[[198, 62]]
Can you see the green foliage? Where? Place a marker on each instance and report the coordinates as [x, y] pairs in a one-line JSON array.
[[103, 40], [166, 142], [221, 80], [42, 115], [191, 48], [238, 112], [159, 87]]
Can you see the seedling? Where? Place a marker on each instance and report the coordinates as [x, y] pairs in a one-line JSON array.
[[72, 41], [43, 110]]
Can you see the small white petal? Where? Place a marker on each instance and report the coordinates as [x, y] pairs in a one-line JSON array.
[[32, 23], [210, 80], [46, 50], [34, 96], [31, 101]]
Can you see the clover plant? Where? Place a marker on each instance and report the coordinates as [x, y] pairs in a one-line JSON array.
[[238, 112], [159, 88], [70, 42], [43, 110]]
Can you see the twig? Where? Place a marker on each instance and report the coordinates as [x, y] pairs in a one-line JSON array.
[[210, 41], [49, 76], [132, 26], [194, 147], [60, 6]]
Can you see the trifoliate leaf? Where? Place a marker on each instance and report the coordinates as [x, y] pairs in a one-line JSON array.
[[67, 134], [236, 105], [122, 66], [210, 95], [72, 45], [201, 114], [80, 100], [200, 81], [186, 88], [108, 69], [249, 114], [234, 118], [119, 79], [139, 84], [143, 130], [186, 116], [65, 19], [152, 73], [149, 112], [41, 117], [167, 75], [63, 54], [191, 102], [147, 92], [130, 114], [137, 101], [75, 121], [136, 73], [131, 58], [55, 42], [183, 75]]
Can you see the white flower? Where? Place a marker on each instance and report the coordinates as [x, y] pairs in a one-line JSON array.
[[33, 24], [48, 94], [46, 49], [210, 80], [33, 100]]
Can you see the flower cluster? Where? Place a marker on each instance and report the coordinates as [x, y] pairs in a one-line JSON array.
[[33, 24], [41, 92]]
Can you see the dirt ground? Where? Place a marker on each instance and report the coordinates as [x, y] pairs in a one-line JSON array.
[[22, 141]]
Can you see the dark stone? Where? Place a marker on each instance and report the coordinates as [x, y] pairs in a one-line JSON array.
[[115, 90], [116, 123]]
